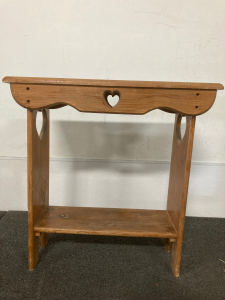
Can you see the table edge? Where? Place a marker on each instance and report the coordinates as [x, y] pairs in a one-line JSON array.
[[112, 83]]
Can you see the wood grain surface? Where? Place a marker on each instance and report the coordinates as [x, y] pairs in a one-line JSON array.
[[131, 100], [107, 221], [114, 83], [38, 181], [178, 184]]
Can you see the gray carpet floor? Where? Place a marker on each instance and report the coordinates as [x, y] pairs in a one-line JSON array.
[[97, 267]]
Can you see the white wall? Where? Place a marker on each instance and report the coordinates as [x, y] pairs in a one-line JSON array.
[[132, 40], [115, 184]]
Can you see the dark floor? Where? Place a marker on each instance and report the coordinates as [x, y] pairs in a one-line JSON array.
[[95, 267]]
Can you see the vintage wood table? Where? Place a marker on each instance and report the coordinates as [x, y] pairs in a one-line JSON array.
[[135, 97]]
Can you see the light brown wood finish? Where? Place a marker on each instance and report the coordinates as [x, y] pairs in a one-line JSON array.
[[167, 244], [114, 83], [107, 221], [44, 239], [38, 181], [132, 100], [178, 184], [136, 97]]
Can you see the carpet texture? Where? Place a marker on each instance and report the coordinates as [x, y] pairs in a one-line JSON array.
[[98, 267]]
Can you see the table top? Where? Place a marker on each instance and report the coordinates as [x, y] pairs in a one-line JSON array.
[[113, 83], [113, 96]]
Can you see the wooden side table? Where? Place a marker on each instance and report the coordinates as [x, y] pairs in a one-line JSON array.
[[42, 94]]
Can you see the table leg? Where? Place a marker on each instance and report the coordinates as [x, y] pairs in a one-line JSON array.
[[44, 239], [38, 180], [167, 244], [178, 184]]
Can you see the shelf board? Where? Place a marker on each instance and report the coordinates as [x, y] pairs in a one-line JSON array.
[[106, 221]]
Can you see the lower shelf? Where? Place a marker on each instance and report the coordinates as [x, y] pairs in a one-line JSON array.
[[107, 221]]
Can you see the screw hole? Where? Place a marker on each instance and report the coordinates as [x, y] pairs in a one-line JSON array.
[[196, 106], [28, 101], [28, 88], [197, 94]]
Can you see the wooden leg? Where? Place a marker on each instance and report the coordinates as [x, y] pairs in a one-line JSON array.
[[178, 184], [38, 180], [44, 239], [167, 245]]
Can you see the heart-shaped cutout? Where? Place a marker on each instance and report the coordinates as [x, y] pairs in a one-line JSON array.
[[180, 128], [41, 123], [112, 98]]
